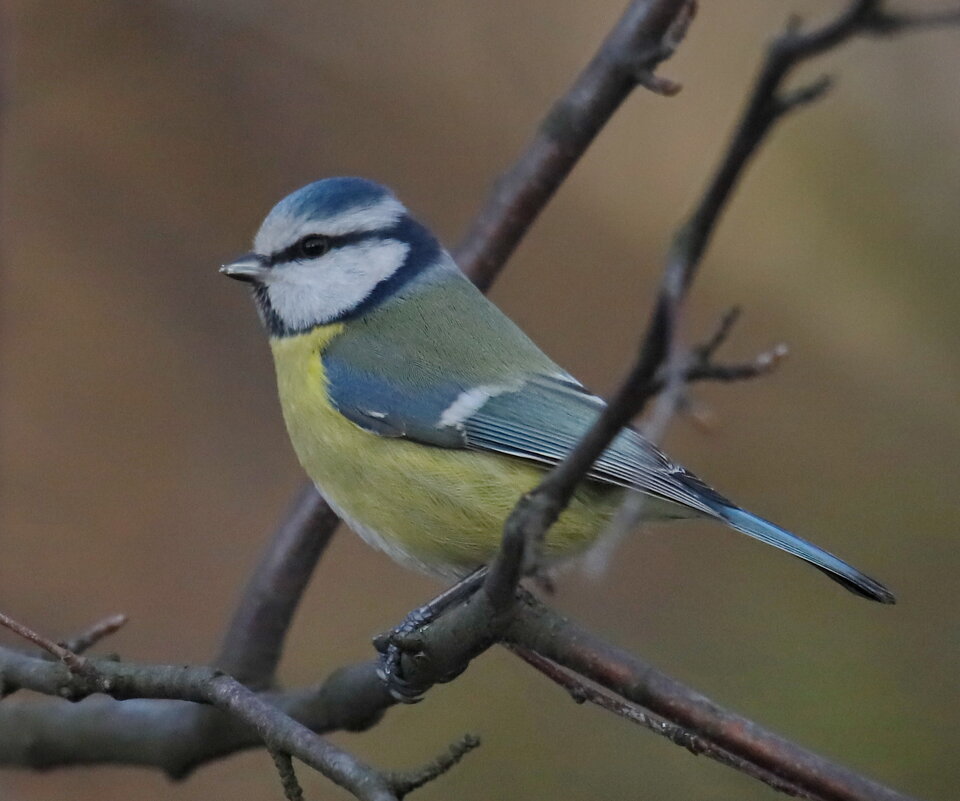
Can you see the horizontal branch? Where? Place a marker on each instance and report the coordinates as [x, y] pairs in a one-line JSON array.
[[178, 737], [173, 736], [124, 680]]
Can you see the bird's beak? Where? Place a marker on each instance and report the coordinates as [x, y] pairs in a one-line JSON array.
[[250, 267]]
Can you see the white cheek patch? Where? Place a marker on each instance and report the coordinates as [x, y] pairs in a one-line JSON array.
[[304, 294], [469, 402], [281, 228]]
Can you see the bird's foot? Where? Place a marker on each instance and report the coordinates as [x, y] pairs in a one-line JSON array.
[[393, 645], [405, 639]]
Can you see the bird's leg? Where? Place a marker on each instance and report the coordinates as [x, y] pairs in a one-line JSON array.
[[393, 644]]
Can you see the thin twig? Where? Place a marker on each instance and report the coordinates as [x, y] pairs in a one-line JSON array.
[[292, 790], [541, 630], [885, 23], [405, 783], [85, 640], [74, 662], [700, 364], [659, 353], [708, 349], [762, 364], [582, 692]]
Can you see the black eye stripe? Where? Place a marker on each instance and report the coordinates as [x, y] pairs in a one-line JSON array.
[[293, 253]]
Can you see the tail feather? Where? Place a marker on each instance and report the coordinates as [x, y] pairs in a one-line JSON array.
[[835, 568]]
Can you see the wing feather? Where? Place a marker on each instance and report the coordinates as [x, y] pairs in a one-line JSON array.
[[544, 419], [539, 418]]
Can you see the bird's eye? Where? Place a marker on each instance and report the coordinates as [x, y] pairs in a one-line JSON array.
[[313, 246]]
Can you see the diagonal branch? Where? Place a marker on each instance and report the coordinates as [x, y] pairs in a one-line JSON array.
[[254, 640], [731, 738], [646, 34], [659, 352], [583, 692], [74, 662]]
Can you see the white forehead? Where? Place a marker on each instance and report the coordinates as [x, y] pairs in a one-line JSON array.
[[304, 294], [284, 226]]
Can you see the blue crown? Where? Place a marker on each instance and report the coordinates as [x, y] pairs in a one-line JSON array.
[[331, 196]]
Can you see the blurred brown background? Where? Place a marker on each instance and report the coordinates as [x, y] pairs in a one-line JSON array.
[[144, 458]]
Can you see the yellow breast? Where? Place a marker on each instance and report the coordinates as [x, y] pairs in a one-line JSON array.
[[437, 509]]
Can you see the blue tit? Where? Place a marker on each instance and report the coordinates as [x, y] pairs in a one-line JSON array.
[[422, 413]]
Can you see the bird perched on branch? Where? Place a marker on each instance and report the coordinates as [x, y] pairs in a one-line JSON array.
[[422, 413]]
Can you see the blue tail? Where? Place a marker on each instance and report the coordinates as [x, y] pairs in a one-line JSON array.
[[835, 568]]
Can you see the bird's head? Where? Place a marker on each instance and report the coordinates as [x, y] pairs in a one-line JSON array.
[[332, 250]]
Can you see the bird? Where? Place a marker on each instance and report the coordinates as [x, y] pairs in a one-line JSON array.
[[422, 413]]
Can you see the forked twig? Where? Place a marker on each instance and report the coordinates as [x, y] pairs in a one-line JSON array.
[[74, 662]]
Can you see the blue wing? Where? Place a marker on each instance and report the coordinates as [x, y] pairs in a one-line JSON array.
[[545, 418], [538, 417], [393, 408]]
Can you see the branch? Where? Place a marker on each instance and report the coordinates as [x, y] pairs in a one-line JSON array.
[[292, 790], [85, 640], [659, 354], [74, 662], [205, 686], [254, 640], [406, 783], [886, 23], [170, 735], [156, 733], [701, 366], [66, 651], [583, 692], [709, 728], [646, 34]]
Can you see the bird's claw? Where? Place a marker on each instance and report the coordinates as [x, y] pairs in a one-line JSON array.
[[390, 673], [392, 646], [406, 639]]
